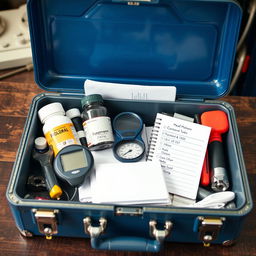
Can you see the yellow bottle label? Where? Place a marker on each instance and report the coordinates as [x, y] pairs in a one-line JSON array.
[[61, 136]]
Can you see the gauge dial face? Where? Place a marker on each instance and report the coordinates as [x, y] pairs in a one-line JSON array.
[[129, 150]]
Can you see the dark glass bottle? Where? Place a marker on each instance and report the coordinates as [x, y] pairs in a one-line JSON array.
[[97, 124]]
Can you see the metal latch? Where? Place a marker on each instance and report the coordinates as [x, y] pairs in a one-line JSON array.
[[137, 2], [209, 229], [46, 222], [131, 211]]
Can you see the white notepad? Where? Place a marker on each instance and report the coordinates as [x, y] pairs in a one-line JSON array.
[[130, 183], [180, 147], [130, 91], [105, 156]]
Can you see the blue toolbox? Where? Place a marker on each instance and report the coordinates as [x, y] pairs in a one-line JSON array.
[[188, 44]]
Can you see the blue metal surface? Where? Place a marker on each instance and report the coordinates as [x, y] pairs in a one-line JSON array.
[[184, 43], [127, 243]]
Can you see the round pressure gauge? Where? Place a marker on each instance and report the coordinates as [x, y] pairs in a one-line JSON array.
[[128, 146], [129, 150]]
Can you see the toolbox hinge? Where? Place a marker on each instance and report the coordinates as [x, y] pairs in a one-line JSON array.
[[46, 221], [209, 229], [131, 211]]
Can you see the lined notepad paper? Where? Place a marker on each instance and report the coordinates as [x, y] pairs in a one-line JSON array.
[[180, 147]]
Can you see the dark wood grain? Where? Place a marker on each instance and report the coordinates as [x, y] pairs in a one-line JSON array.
[[25, 77], [15, 98]]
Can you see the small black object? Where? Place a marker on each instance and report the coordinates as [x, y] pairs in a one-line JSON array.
[[36, 183], [38, 195], [75, 116]]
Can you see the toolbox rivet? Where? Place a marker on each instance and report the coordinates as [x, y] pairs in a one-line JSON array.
[[228, 242], [26, 233], [48, 231], [207, 238]]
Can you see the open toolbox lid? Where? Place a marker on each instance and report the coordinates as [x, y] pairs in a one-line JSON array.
[[188, 44]]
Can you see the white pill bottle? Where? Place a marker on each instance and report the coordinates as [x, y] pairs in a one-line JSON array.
[[58, 129]]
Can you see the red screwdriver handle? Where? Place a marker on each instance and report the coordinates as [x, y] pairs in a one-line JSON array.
[[205, 174], [218, 121]]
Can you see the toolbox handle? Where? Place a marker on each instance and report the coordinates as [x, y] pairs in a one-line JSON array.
[[127, 243]]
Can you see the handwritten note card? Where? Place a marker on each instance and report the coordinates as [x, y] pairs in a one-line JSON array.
[[180, 146]]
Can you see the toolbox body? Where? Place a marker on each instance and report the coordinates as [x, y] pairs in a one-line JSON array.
[[187, 44]]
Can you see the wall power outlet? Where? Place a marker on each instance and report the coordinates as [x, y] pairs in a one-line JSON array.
[[15, 48]]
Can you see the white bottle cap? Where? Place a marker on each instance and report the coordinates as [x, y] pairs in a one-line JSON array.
[[49, 110], [40, 143], [73, 112]]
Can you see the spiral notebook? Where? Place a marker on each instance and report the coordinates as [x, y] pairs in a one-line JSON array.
[[180, 147]]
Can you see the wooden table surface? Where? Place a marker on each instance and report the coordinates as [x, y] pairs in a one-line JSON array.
[[16, 94]]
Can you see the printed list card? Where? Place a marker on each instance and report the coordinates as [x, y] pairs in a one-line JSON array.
[[180, 147]]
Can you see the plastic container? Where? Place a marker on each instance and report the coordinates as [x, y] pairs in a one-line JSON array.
[[41, 144], [75, 116], [97, 125], [58, 128]]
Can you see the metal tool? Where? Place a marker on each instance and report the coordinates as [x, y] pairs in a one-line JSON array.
[[36, 183], [45, 160], [203, 193], [218, 121], [128, 146]]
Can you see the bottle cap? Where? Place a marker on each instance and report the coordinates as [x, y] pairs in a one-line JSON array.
[[89, 99], [73, 112], [40, 143], [49, 110]]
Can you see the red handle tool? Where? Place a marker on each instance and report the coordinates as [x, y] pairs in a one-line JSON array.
[[218, 121]]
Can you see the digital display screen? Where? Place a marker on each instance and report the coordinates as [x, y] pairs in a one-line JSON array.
[[73, 161]]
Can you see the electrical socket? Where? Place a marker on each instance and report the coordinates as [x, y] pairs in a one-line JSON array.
[[15, 47]]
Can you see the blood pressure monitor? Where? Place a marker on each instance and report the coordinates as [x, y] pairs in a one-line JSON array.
[[73, 163]]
